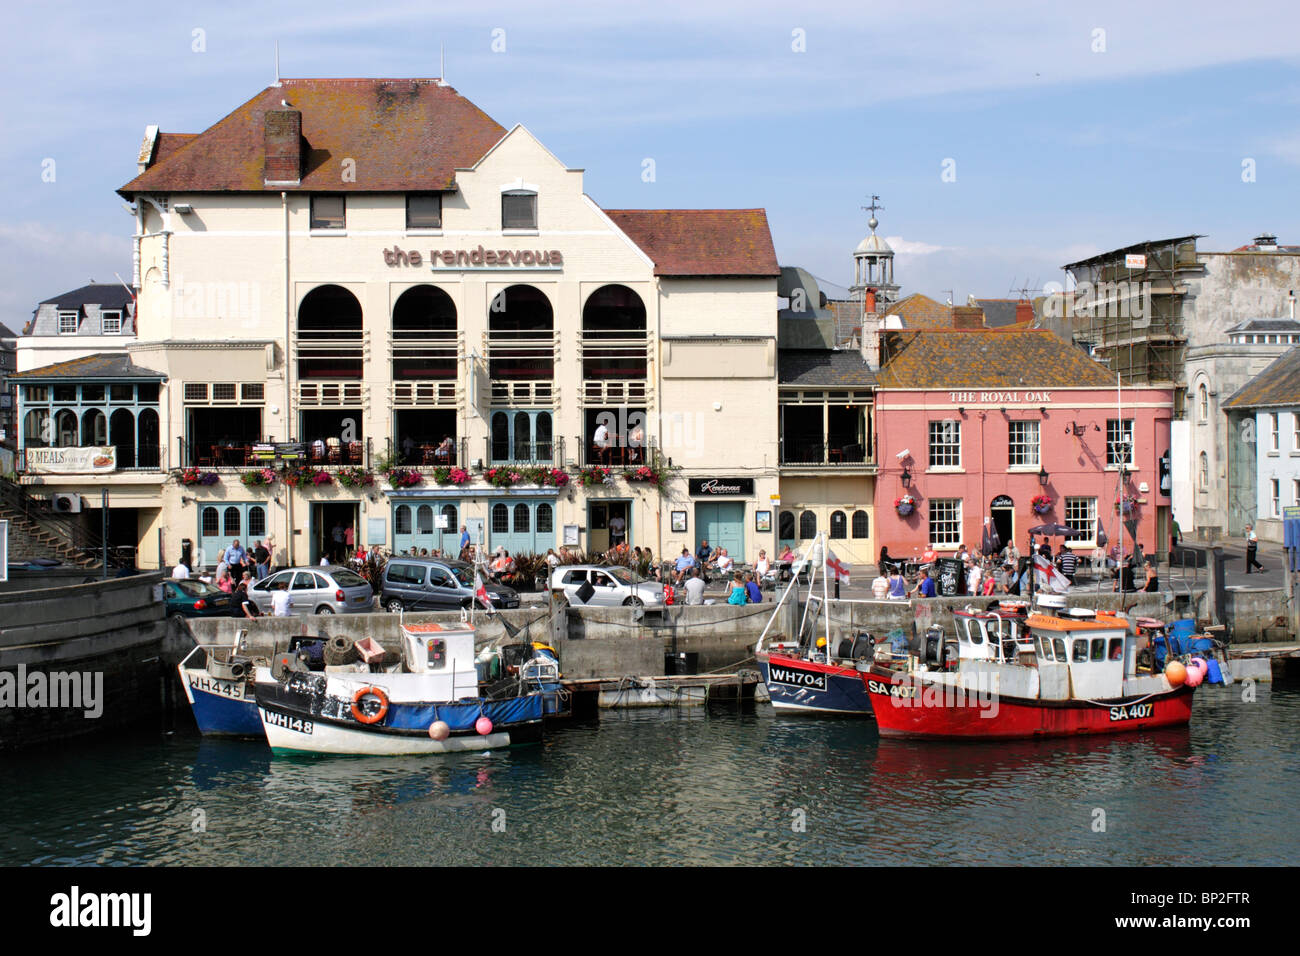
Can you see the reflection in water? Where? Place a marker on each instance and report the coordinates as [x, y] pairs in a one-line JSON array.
[[658, 787]]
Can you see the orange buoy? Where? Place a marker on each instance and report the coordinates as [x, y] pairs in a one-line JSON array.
[[360, 715], [1175, 673]]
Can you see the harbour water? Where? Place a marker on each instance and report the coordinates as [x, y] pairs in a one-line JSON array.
[[725, 786]]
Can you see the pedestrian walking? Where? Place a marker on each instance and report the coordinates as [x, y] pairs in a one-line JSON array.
[[1252, 546]]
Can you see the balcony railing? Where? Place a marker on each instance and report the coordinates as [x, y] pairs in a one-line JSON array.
[[425, 394], [831, 454], [602, 392], [321, 394], [617, 454], [525, 452], [252, 453], [535, 394], [421, 454]]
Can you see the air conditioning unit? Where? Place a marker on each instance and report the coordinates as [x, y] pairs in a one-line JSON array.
[[66, 504]]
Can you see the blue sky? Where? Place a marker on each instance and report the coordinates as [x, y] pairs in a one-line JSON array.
[[1065, 141]]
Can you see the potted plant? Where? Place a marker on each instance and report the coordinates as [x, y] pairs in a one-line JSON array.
[[1041, 504], [595, 475], [446, 475], [404, 477], [1126, 504], [354, 477], [904, 504]]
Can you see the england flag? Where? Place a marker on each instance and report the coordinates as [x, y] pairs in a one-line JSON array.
[[481, 591], [1048, 576], [836, 567]]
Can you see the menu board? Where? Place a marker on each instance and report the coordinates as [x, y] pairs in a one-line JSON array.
[[950, 581]]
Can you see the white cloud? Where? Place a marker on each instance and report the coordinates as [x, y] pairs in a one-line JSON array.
[[913, 247]]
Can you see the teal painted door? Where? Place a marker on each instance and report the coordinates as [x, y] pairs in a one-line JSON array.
[[220, 524], [415, 526], [722, 524]]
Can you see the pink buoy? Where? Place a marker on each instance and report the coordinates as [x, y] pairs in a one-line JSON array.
[[1194, 675], [1198, 663], [483, 726], [439, 730]]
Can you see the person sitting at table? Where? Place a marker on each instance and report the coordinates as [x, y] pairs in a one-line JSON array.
[[682, 566], [636, 442], [503, 564], [886, 562], [930, 556], [762, 566], [924, 587], [786, 555], [723, 561], [600, 441], [442, 454]]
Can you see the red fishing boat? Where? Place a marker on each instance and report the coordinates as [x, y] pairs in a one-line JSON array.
[[1044, 674]]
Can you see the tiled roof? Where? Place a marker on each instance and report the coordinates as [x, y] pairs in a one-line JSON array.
[[845, 368], [168, 143], [109, 295], [101, 365], [1278, 384], [998, 313], [702, 242], [919, 311], [986, 358], [6, 332], [402, 134], [1266, 325]]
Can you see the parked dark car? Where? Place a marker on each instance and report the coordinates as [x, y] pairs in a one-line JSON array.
[[428, 584], [192, 598]]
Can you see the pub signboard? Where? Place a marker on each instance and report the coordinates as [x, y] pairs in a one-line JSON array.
[[722, 487]]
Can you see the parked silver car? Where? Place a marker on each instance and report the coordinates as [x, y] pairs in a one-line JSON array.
[[610, 586], [324, 590]]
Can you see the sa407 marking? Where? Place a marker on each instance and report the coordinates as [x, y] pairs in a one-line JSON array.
[[1132, 711], [891, 690]]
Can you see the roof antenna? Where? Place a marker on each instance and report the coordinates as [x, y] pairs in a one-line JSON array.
[[442, 64], [277, 62]]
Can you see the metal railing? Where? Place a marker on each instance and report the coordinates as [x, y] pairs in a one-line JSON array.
[[38, 515], [428, 454], [829, 454], [617, 454], [242, 453], [524, 452]]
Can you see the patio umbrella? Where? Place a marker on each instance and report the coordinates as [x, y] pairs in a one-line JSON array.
[[1053, 530], [989, 541]]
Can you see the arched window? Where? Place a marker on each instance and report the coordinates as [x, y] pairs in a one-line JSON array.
[[36, 429], [861, 525], [94, 427], [545, 520], [424, 519], [449, 512], [148, 448], [424, 334], [65, 428], [839, 525], [210, 523], [121, 433], [256, 521], [1205, 471], [1203, 394], [500, 519], [807, 525], [785, 526], [329, 334], [521, 518], [614, 334], [231, 523], [521, 323], [402, 519]]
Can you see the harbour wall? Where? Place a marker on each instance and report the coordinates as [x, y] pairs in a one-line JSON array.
[[80, 659]]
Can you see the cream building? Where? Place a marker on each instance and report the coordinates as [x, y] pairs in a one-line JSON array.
[[373, 272]]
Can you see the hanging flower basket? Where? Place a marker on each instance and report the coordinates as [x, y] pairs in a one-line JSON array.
[[904, 505], [1041, 504], [193, 476], [446, 475], [404, 477], [259, 478], [1126, 505], [643, 473], [595, 475], [355, 477]]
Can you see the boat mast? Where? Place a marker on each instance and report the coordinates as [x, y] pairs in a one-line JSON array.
[[826, 611]]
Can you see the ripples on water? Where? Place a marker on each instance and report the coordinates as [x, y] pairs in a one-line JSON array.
[[665, 787]]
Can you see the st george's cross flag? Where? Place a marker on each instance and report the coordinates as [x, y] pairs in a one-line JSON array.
[[1048, 576], [837, 568], [481, 591]]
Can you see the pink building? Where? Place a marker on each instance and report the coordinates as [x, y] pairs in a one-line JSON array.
[[977, 423]]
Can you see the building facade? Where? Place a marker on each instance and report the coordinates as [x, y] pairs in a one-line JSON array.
[[374, 281], [976, 424], [1263, 419]]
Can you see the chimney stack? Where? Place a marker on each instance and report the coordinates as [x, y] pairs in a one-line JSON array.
[[1025, 312], [283, 143], [967, 317], [869, 302]]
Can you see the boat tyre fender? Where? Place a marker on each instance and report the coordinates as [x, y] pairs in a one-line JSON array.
[[366, 715]]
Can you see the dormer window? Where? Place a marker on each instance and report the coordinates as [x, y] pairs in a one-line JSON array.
[[327, 212], [424, 212], [519, 209], [68, 323], [111, 322]]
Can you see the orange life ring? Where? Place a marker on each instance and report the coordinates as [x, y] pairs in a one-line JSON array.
[[360, 715]]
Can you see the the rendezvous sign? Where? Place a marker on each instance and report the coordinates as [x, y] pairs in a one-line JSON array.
[[722, 487]]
